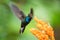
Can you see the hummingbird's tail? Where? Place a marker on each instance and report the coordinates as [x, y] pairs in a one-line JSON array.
[[22, 30]]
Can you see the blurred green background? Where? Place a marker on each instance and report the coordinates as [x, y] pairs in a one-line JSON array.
[[47, 10]]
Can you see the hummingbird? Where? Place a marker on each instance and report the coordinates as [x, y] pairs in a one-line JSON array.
[[25, 20]]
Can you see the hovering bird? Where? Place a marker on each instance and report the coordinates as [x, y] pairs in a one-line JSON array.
[[25, 20]]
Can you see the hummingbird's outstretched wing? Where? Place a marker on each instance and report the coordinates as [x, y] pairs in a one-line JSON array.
[[17, 11]]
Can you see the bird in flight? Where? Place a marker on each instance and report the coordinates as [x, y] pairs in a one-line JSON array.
[[25, 20]]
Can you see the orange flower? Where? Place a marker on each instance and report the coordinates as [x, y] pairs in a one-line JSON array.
[[46, 31]]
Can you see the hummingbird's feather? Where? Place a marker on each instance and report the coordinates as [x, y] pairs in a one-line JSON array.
[[17, 11]]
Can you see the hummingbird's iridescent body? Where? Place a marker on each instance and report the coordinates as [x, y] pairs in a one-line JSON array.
[[25, 20]]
